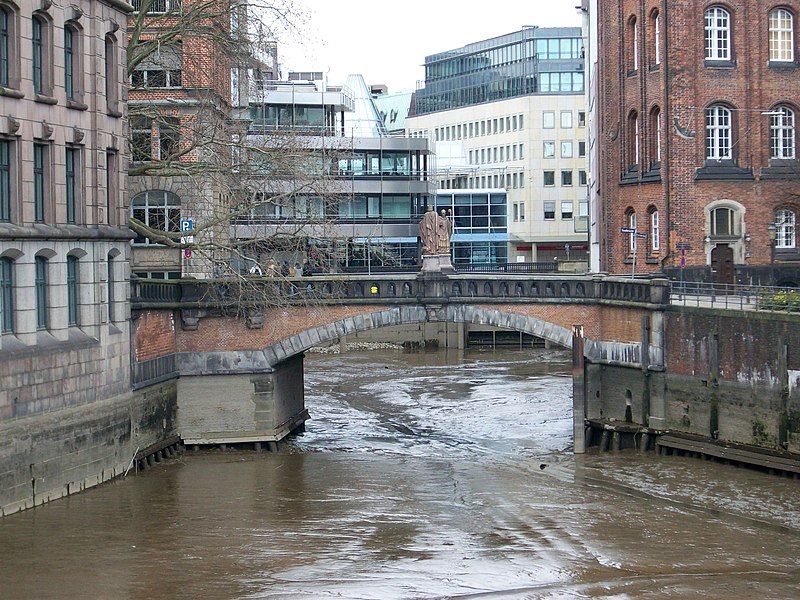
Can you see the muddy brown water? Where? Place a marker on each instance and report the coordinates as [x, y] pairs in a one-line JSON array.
[[420, 476]]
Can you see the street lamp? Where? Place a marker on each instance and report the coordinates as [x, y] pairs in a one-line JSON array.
[[773, 238]]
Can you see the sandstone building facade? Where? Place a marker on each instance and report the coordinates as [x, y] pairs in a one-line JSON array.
[[64, 249], [698, 105]]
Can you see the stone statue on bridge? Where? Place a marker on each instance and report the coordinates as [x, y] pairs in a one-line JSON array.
[[435, 231]]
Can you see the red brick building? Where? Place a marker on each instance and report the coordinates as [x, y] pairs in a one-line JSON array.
[[698, 104], [180, 60]]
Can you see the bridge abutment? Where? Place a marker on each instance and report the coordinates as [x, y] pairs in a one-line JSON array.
[[239, 408]]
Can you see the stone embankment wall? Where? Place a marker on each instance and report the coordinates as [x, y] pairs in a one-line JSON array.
[[49, 455]]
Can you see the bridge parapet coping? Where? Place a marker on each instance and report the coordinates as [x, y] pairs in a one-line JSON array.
[[401, 289]]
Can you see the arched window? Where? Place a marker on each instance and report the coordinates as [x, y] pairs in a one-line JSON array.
[[73, 314], [723, 222], [630, 219], [655, 230], [656, 135], [633, 47], [655, 25], [781, 35], [40, 286], [5, 45], [718, 34], [633, 140], [783, 134], [7, 295], [786, 221], [718, 133], [158, 210]]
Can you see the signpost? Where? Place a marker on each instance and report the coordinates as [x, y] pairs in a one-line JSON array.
[[186, 226], [683, 247]]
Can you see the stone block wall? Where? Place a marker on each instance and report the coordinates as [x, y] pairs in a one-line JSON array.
[[51, 455]]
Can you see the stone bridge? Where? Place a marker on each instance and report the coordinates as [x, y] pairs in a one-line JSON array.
[[240, 365], [642, 367]]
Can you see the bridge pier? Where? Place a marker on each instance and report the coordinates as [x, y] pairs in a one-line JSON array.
[[266, 406]]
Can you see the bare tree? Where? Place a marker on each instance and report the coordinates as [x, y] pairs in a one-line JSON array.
[[246, 191]]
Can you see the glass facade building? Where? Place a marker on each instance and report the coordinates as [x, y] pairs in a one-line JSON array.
[[529, 61], [480, 224]]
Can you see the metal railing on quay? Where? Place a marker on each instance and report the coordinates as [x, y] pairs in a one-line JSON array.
[[528, 267], [735, 296]]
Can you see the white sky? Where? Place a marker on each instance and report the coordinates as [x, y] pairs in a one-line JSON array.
[[387, 40]]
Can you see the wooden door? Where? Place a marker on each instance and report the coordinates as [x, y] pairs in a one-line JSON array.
[[722, 264]]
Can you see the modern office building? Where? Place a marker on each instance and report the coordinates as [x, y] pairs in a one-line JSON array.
[[64, 243], [698, 104], [509, 114], [365, 191]]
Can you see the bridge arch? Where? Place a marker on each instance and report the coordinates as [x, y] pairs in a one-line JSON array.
[[298, 343]]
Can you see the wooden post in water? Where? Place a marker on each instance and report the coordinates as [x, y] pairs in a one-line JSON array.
[[578, 390]]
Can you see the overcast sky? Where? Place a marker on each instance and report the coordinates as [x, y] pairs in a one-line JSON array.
[[387, 41]]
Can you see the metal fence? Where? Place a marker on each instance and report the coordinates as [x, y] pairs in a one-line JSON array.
[[735, 296], [156, 370]]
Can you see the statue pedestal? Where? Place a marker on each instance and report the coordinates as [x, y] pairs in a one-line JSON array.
[[437, 263]]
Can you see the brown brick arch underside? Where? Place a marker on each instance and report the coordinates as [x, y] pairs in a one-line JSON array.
[[231, 334]]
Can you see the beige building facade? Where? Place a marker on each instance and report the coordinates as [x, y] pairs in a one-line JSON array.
[[532, 146], [64, 245]]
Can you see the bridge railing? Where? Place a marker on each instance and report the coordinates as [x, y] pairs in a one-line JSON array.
[[735, 296], [397, 288]]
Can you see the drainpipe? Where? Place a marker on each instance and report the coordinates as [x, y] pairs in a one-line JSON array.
[[665, 166]]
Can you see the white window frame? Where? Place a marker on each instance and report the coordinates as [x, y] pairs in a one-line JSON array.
[[548, 120], [783, 134], [655, 231], [566, 119], [631, 236], [545, 146], [786, 221], [781, 35], [719, 128], [657, 40], [717, 33]]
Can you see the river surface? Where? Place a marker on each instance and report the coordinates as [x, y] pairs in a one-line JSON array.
[[420, 476]]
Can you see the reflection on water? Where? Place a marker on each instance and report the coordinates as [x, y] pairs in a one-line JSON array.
[[420, 476]]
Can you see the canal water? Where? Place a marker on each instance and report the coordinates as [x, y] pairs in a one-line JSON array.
[[420, 476]]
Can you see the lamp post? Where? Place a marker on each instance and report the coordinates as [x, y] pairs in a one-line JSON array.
[[773, 237]]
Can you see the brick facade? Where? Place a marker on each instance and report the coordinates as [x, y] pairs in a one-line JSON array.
[[225, 334], [683, 186], [153, 335], [201, 104]]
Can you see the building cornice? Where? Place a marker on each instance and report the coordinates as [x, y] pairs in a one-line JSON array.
[[120, 5]]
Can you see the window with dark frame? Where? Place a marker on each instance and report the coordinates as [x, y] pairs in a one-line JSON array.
[[73, 316], [69, 62], [37, 42], [5, 46], [71, 166], [111, 315], [7, 294], [39, 181], [5, 180], [40, 285]]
